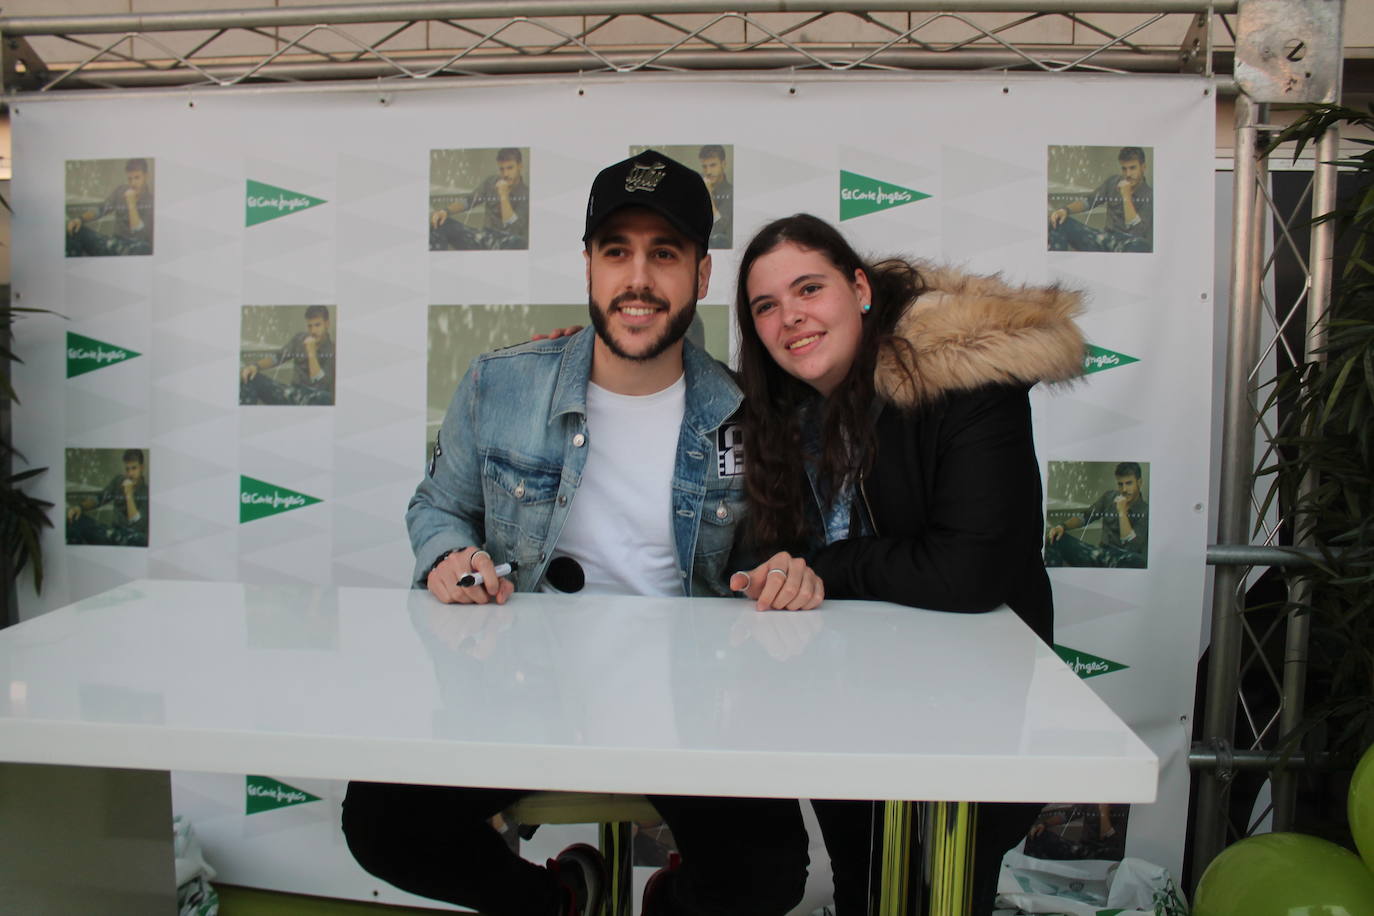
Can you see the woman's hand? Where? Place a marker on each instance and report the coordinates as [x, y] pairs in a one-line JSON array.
[[783, 583]]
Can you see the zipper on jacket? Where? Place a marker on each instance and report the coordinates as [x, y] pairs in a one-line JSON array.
[[863, 494]]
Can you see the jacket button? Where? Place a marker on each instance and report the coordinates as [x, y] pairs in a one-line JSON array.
[[541, 556], [579, 440], [721, 512], [520, 490], [562, 500]]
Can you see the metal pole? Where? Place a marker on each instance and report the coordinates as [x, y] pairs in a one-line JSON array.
[[578, 61], [496, 9], [1322, 243], [1260, 555], [1199, 759], [1237, 462]]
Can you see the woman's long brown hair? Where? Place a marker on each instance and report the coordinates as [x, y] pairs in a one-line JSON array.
[[775, 478]]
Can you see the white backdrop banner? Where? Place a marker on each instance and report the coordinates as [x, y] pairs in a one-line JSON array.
[[272, 294]]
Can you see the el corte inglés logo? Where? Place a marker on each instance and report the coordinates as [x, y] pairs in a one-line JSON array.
[[266, 202], [1085, 665], [86, 354], [1100, 359], [263, 793], [861, 195], [259, 499]]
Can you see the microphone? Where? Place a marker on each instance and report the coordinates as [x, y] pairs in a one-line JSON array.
[[565, 575]]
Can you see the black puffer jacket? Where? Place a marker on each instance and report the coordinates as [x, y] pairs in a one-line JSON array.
[[954, 491]]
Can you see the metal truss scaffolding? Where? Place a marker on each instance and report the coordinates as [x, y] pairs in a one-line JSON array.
[[1285, 51], [1288, 52], [417, 41]]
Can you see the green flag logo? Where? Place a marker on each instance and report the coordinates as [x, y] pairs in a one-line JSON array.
[[86, 354], [259, 499], [1085, 665], [263, 793], [861, 195], [267, 202], [1100, 359]]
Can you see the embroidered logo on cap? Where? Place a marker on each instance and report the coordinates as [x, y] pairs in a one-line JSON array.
[[645, 176]]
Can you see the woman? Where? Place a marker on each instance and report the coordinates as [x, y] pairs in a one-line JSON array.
[[888, 434]]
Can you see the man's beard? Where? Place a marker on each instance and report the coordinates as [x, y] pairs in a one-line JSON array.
[[676, 330]]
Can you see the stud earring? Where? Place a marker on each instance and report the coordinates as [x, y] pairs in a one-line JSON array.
[[865, 307]]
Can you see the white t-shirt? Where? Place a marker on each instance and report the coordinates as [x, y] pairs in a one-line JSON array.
[[619, 527]]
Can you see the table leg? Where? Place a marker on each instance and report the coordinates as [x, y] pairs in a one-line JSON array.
[[948, 848], [950, 857], [896, 870], [617, 847]]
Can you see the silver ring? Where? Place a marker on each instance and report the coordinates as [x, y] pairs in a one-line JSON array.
[[781, 572], [474, 554], [747, 580]]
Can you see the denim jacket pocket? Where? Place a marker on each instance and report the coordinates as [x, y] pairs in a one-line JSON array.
[[520, 497]]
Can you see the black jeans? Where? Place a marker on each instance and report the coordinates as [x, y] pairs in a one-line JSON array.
[[853, 828], [741, 856]]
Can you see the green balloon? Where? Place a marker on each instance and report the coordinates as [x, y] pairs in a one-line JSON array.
[[1359, 807], [1285, 874]]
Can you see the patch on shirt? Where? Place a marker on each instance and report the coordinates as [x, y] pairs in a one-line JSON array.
[[730, 450]]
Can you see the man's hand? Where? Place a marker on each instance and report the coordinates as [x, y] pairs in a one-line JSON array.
[[73, 513], [556, 333], [1054, 534], [311, 344], [128, 485], [438, 218], [443, 579], [1122, 504], [503, 188], [783, 583], [1058, 216], [248, 372], [74, 225], [131, 197]]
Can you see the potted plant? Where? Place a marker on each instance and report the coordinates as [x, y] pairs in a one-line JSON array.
[[1324, 479], [23, 516]]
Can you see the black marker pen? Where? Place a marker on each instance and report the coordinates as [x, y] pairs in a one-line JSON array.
[[475, 578]]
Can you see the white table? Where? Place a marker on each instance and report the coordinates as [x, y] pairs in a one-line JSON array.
[[588, 693]]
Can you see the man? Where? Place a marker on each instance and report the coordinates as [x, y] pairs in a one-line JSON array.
[[603, 447], [712, 157], [311, 353], [132, 206], [1125, 518], [1130, 212], [128, 494], [505, 199]]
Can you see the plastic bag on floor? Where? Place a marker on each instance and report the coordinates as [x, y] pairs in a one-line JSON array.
[[195, 896], [1087, 887]]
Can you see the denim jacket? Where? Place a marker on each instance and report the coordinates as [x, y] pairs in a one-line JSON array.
[[510, 453]]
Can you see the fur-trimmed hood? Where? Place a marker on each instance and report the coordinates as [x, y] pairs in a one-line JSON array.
[[967, 331]]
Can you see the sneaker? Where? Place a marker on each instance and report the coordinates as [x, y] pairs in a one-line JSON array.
[[582, 872], [656, 888]]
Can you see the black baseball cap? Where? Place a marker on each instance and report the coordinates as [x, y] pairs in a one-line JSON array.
[[651, 179]]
